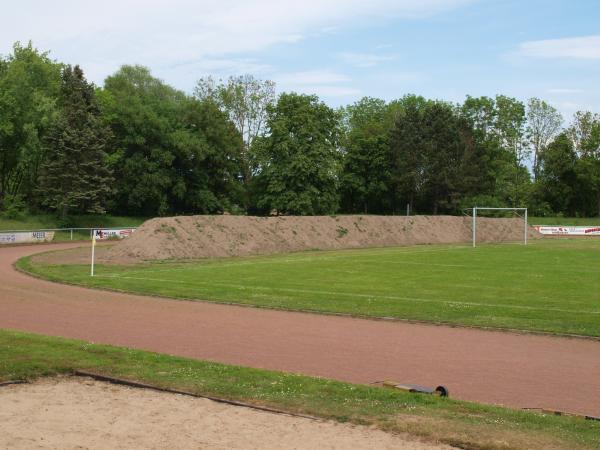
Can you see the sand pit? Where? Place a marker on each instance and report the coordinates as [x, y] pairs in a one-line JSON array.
[[187, 237], [68, 413]]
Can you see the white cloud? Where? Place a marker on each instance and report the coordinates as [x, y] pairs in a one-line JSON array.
[[155, 33], [585, 47], [364, 60]]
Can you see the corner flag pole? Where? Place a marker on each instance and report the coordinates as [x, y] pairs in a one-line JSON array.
[[93, 251]]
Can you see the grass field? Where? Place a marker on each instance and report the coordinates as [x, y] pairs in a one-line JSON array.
[[548, 286], [573, 221], [464, 424]]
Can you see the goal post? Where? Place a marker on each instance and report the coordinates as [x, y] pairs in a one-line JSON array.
[[476, 209]]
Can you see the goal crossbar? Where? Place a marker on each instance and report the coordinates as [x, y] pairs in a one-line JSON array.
[[475, 209]]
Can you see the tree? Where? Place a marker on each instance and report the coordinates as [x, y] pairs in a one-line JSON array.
[[585, 133], [499, 126], [29, 88], [245, 99], [437, 160], [207, 160], [510, 127], [557, 176], [298, 158], [365, 180], [544, 123], [588, 174], [172, 153], [75, 174], [140, 111]]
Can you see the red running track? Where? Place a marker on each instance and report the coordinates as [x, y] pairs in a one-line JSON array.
[[516, 370]]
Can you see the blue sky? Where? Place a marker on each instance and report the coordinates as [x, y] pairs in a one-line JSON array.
[[340, 50]]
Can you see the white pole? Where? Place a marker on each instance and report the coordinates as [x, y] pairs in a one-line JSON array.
[[408, 209], [93, 252], [474, 225], [526, 227]]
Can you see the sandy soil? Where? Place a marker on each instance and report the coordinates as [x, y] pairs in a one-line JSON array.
[[218, 236], [69, 413], [484, 366]]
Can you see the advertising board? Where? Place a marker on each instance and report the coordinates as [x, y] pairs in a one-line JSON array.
[[102, 234], [26, 237], [568, 231]]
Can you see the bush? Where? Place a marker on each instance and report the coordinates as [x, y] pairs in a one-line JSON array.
[[13, 206]]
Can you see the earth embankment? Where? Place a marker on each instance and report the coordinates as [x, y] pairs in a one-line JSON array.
[[187, 237]]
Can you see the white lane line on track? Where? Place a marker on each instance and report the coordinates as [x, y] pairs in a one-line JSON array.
[[387, 297]]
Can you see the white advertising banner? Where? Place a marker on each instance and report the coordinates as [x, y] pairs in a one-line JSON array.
[[101, 234], [568, 231], [25, 237]]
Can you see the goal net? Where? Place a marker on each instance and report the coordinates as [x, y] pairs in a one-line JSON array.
[[486, 227]]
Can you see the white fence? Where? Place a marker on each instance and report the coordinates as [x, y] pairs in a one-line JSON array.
[[50, 234]]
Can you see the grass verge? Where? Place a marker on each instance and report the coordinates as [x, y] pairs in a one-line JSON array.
[[548, 286], [567, 221], [464, 424]]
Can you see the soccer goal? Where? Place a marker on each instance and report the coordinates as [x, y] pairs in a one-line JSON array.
[[520, 212]]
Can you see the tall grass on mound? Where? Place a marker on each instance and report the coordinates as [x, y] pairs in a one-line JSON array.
[[463, 424], [548, 286]]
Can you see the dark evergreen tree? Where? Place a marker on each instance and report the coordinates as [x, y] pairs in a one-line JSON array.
[[75, 175], [437, 160]]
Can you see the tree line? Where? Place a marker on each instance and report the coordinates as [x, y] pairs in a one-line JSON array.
[[137, 146]]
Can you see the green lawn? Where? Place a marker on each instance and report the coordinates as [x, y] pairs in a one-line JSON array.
[[464, 424], [549, 286], [572, 221]]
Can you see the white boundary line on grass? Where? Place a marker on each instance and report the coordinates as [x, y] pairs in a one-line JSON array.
[[388, 297]]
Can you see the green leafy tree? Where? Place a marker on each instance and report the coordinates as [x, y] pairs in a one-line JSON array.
[[499, 126], [245, 99], [74, 175], [365, 180], [585, 135], [557, 176], [299, 159], [207, 160], [409, 175], [29, 88], [588, 174], [172, 153], [543, 124], [141, 111]]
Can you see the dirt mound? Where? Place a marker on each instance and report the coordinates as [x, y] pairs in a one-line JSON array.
[[218, 236]]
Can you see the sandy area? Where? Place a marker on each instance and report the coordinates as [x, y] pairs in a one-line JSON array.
[[76, 413], [219, 236]]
